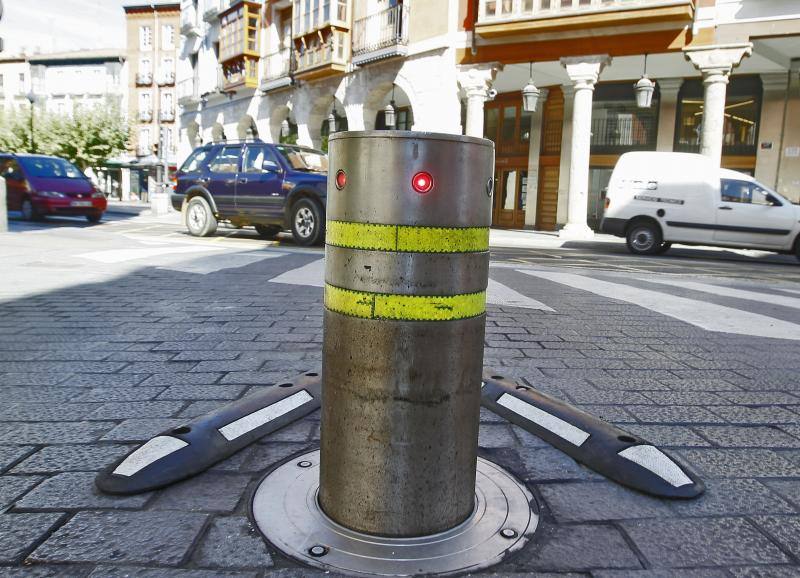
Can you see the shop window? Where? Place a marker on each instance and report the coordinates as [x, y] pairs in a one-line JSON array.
[[618, 125], [742, 113], [506, 124]]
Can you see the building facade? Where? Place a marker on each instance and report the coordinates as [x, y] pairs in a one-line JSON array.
[[153, 39], [15, 81], [725, 72]]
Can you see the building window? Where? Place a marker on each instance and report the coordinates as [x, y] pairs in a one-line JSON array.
[[166, 101], [1, 81], [742, 113], [168, 37], [144, 101], [145, 38], [507, 124], [22, 78], [144, 139], [618, 125]]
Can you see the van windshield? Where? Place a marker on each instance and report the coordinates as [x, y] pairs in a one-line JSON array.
[[50, 168]]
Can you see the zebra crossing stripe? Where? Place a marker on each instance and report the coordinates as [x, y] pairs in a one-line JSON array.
[[703, 314], [724, 291]]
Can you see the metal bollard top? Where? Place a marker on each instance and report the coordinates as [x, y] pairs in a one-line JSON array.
[[410, 178]]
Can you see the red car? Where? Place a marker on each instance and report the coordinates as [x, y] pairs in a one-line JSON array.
[[40, 185]]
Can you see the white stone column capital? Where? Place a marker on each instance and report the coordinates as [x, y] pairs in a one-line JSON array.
[[775, 82], [718, 59], [669, 87], [584, 71], [477, 80]]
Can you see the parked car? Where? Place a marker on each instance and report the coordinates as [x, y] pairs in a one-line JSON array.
[[655, 199], [270, 186], [40, 185]]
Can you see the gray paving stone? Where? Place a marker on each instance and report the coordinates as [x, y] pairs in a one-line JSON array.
[[205, 392], [53, 432], [740, 463], [170, 379], [138, 572], [756, 415], [209, 492], [731, 497], [299, 431], [765, 571], [785, 529], [76, 490], [10, 454], [104, 380], [496, 436], [549, 464], [702, 542], [158, 367], [44, 378], [46, 411], [19, 533], [137, 409], [198, 408], [527, 439], [48, 571], [704, 398], [609, 413], [789, 489], [668, 435], [579, 547], [656, 573], [106, 394], [233, 543], [266, 455], [137, 430], [674, 414], [74, 458], [600, 501], [161, 538], [747, 437], [12, 487], [761, 397]]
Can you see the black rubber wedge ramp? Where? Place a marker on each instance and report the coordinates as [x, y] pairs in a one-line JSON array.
[[188, 450], [600, 446]]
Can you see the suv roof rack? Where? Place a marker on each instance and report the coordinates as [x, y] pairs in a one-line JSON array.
[[233, 141]]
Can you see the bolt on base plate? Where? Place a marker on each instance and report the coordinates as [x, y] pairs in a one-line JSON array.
[[286, 511]]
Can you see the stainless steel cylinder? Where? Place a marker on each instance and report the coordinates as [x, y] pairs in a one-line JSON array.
[[406, 274]]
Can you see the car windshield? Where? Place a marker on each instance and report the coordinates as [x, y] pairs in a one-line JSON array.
[[50, 168], [303, 159]]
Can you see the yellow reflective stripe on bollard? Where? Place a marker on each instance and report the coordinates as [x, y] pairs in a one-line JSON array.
[[407, 239], [404, 307]]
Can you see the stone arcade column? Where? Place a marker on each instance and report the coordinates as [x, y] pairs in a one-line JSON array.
[[770, 127], [668, 108], [476, 82], [584, 72], [534, 151], [716, 64]]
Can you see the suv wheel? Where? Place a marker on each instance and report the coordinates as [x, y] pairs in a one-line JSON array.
[[307, 222], [644, 238], [200, 220], [268, 231]]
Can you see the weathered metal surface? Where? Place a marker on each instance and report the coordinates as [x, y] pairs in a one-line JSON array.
[[404, 331], [286, 510], [610, 451]]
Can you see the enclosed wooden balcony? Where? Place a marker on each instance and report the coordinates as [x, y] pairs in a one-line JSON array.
[[238, 44], [498, 18], [321, 37]]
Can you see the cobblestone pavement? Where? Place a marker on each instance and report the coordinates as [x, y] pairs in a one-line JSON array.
[[111, 334]]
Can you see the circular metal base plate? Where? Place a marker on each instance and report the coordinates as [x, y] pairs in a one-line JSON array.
[[286, 511]]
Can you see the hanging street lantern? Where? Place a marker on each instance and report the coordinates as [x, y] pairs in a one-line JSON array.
[[332, 122], [530, 94], [285, 127], [389, 114], [644, 89]]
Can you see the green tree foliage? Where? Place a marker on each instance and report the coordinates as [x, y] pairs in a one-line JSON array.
[[88, 137]]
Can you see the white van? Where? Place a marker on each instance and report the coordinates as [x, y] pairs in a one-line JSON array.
[[655, 199]]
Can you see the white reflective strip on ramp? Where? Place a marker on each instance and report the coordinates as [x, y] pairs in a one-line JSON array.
[[722, 291], [653, 459], [312, 275], [258, 418], [548, 421], [699, 313], [499, 294], [152, 451]]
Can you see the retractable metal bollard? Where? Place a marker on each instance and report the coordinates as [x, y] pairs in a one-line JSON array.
[[397, 486]]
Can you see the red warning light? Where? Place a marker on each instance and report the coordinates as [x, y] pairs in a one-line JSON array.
[[422, 182], [341, 179]]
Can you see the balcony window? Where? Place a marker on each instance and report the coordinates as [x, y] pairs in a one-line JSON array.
[[618, 125], [489, 10], [742, 114], [239, 31], [381, 30], [310, 15]]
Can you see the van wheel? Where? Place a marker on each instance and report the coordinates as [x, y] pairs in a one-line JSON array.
[[644, 238], [268, 231], [29, 212], [307, 222], [664, 248], [200, 219]]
